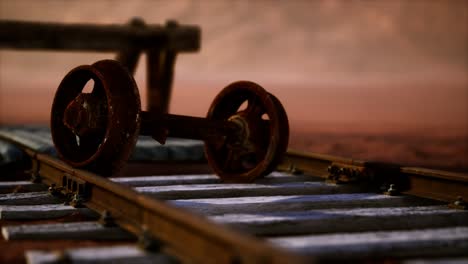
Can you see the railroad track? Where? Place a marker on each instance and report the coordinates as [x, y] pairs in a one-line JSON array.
[[315, 208]]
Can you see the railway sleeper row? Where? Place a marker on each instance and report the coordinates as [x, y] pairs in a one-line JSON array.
[[284, 218]]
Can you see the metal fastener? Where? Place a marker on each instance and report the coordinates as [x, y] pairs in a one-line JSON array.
[[77, 201], [106, 219], [147, 242], [392, 190], [54, 190], [460, 203]]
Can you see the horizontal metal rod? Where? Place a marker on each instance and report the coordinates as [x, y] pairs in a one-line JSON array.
[[187, 126], [91, 37]]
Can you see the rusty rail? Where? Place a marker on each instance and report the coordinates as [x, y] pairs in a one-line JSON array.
[[158, 225], [427, 183]]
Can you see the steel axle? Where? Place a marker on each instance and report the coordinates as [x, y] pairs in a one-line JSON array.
[[98, 130]]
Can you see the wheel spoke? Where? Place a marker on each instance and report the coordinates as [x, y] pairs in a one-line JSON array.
[[260, 148], [96, 90], [254, 108], [250, 160], [264, 126], [229, 161]]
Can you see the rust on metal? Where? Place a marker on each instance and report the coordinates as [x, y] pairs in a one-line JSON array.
[[160, 74], [344, 173], [98, 130], [185, 127], [85, 115], [434, 184], [86, 127], [439, 185], [262, 136]]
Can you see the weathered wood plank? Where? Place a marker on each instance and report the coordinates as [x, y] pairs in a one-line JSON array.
[[28, 137], [167, 180], [114, 254], [161, 180], [73, 230], [9, 153], [440, 242], [344, 220], [38, 212], [25, 186], [39, 139], [29, 198], [248, 189], [297, 203], [174, 149]]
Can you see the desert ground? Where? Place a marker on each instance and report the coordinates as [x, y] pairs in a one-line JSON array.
[[437, 147], [400, 138]]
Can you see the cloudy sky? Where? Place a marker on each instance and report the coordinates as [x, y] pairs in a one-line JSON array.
[[367, 62]]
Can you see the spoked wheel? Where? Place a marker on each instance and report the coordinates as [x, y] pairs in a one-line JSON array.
[[263, 133], [96, 130]]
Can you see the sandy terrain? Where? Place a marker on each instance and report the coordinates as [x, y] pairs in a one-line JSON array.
[[434, 148], [406, 132], [437, 148]]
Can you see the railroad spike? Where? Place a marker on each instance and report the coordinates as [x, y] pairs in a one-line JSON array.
[[54, 190], [147, 242], [77, 200], [460, 203], [392, 190], [106, 219], [98, 130]]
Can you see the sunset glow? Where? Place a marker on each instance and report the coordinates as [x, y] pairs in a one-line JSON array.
[[366, 66]]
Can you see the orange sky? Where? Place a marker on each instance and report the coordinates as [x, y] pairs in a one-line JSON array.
[[376, 63]]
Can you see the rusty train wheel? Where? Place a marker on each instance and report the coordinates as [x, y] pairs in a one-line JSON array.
[[263, 133], [97, 130]]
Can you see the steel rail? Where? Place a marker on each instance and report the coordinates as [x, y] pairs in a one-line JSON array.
[[190, 237], [89, 37], [427, 183]]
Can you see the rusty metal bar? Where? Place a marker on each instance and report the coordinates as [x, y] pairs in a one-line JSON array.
[[160, 74], [434, 184], [186, 126], [130, 55], [89, 37], [188, 236]]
